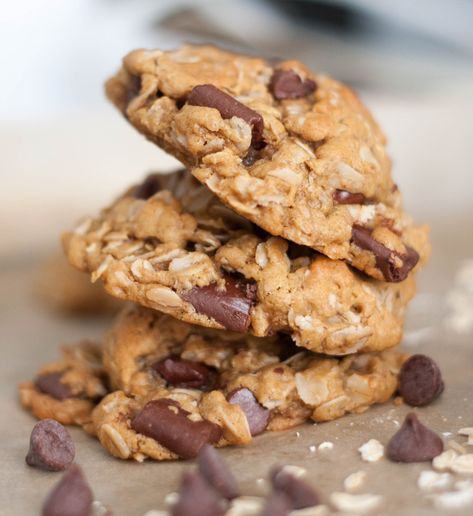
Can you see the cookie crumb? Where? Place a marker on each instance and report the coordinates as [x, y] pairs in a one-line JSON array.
[[245, 506], [171, 499], [456, 446], [355, 503], [429, 480], [468, 432], [312, 448], [444, 461], [354, 481], [371, 451], [326, 445]]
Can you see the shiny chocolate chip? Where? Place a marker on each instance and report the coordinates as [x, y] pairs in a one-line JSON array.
[[277, 504], [197, 497], [150, 186], [287, 84], [185, 373], [72, 496], [414, 442], [213, 468], [230, 306], [300, 493], [164, 421], [51, 446], [344, 197], [208, 95], [256, 415], [420, 381], [50, 383], [385, 258]]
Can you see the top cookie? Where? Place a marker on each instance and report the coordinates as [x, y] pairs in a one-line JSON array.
[[294, 152]]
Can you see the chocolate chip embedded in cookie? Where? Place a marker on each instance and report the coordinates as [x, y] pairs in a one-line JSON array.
[[182, 252], [67, 390], [294, 152]]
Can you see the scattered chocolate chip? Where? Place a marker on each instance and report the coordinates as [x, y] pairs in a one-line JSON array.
[[287, 84], [420, 381], [230, 307], [185, 373], [196, 496], [72, 496], [150, 186], [277, 504], [300, 493], [164, 421], [385, 258], [216, 472], [255, 413], [344, 197], [51, 446], [414, 442], [209, 96], [50, 383]]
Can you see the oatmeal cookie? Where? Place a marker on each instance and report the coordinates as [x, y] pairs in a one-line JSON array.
[[67, 390], [295, 152], [169, 244], [180, 386]]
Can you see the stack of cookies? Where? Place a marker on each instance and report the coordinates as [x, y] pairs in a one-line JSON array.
[[270, 276]]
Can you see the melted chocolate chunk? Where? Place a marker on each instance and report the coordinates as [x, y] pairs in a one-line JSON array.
[[230, 307], [414, 442], [51, 446], [72, 496], [420, 381], [185, 373], [344, 197], [196, 497], [50, 383], [208, 95], [150, 186], [287, 84], [164, 421], [216, 472], [385, 258], [300, 493], [256, 415]]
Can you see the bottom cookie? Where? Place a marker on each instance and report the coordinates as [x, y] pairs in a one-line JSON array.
[[181, 386], [67, 390]]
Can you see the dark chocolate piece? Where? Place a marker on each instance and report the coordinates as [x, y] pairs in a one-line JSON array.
[[287, 84], [256, 414], [50, 383], [420, 381]]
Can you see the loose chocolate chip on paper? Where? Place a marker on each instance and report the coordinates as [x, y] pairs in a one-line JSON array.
[[230, 306], [150, 186], [420, 381], [196, 496], [300, 493], [256, 415], [185, 373], [164, 421], [207, 95], [385, 258], [72, 496], [287, 84], [51, 446], [50, 383], [277, 504], [414, 442], [216, 472], [344, 197]]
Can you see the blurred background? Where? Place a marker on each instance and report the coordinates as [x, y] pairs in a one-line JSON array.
[[65, 152]]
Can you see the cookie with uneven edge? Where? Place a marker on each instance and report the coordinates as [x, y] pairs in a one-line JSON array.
[[169, 244], [67, 390], [294, 152], [170, 375]]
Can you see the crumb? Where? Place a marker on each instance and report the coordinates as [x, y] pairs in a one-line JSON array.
[[371, 451]]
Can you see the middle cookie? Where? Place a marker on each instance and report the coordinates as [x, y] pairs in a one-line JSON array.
[[169, 244]]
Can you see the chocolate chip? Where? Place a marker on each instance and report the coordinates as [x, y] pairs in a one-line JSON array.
[[196, 496], [287, 84], [51, 446], [300, 493], [72, 496], [150, 186], [420, 381], [216, 472], [164, 421], [256, 414], [230, 306], [385, 258], [185, 373], [208, 95], [344, 197], [134, 88], [277, 504], [50, 383], [414, 442]]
